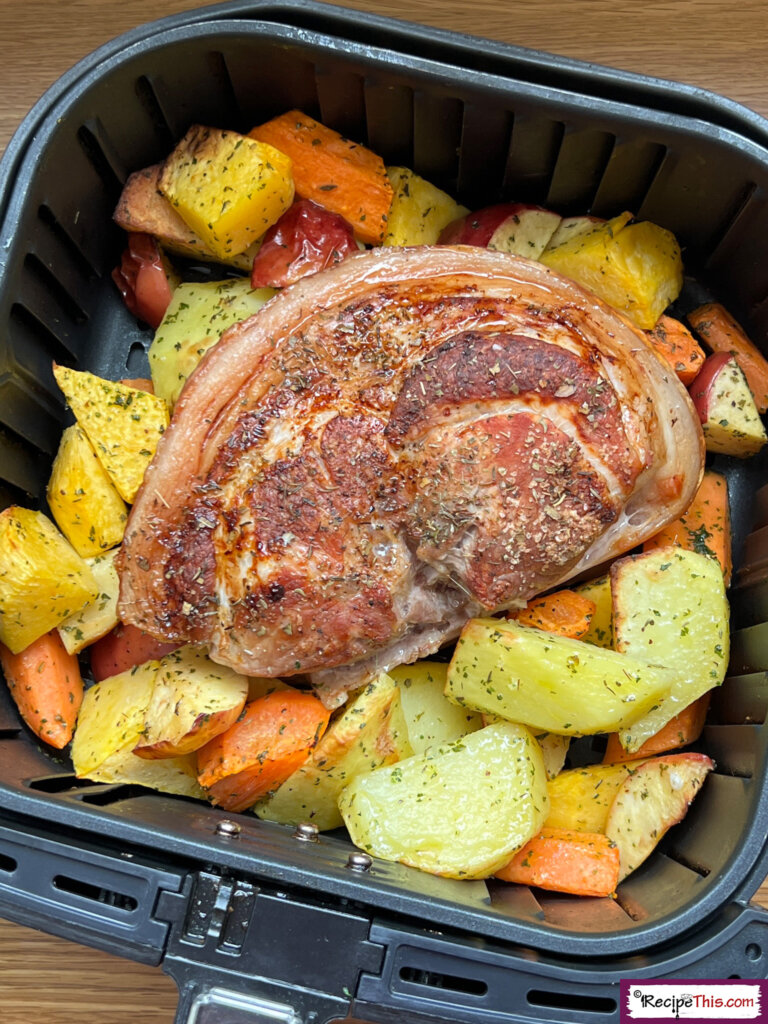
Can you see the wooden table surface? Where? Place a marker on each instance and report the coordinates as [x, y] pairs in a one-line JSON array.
[[713, 44]]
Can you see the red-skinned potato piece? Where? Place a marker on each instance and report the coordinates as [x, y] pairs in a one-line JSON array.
[[509, 227], [651, 800], [124, 647], [270, 741], [727, 410], [144, 279], [305, 239]]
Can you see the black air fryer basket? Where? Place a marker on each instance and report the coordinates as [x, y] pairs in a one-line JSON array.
[[247, 916]]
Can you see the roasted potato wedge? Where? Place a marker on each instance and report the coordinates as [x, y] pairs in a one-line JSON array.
[[96, 619], [419, 210], [123, 424], [431, 719], [82, 498], [143, 208], [460, 810], [110, 723], [228, 188], [193, 699], [600, 630], [370, 732], [550, 683], [650, 801], [669, 605], [581, 798], [636, 268], [43, 580], [194, 321]]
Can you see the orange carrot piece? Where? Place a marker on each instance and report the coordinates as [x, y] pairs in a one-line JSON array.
[[705, 526], [332, 171], [582, 863], [140, 384], [270, 740], [46, 684], [679, 731], [720, 332], [240, 791], [675, 343], [565, 612]]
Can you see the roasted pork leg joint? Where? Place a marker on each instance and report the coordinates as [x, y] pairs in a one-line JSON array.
[[390, 446]]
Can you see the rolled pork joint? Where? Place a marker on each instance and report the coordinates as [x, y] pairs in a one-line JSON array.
[[392, 446]]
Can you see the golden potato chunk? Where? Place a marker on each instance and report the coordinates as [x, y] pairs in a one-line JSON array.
[[228, 188], [419, 210], [122, 423], [97, 618], [581, 798], [110, 724], [194, 321], [636, 268], [431, 719], [550, 683], [43, 580], [84, 502], [370, 732], [460, 810], [600, 630], [669, 604]]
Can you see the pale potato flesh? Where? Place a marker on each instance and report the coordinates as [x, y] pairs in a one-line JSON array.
[[193, 700], [196, 318], [669, 606], [96, 619], [550, 683], [110, 722], [650, 801], [431, 719], [370, 732], [460, 810]]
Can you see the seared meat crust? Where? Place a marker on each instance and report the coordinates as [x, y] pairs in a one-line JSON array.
[[390, 446]]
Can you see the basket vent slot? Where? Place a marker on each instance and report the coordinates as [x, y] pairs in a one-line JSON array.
[[136, 360], [7, 864], [485, 141], [571, 1001], [447, 982], [580, 166], [73, 251], [389, 112], [112, 898], [58, 783], [25, 470], [532, 157], [50, 283], [437, 124], [103, 161], [150, 104], [34, 340], [628, 175], [341, 100]]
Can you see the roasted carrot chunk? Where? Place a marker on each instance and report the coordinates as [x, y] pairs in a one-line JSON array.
[[720, 332], [271, 739], [337, 174], [679, 731], [705, 527], [46, 684], [582, 863], [675, 343], [565, 612]]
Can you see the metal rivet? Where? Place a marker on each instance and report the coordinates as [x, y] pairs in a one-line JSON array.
[[359, 862], [306, 832], [227, 828]]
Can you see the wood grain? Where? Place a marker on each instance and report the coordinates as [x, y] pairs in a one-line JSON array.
[[712, 44]]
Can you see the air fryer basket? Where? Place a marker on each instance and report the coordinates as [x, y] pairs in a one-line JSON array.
[[119, 866]]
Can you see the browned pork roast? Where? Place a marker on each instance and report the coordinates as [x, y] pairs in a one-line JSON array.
[[388, 447]]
